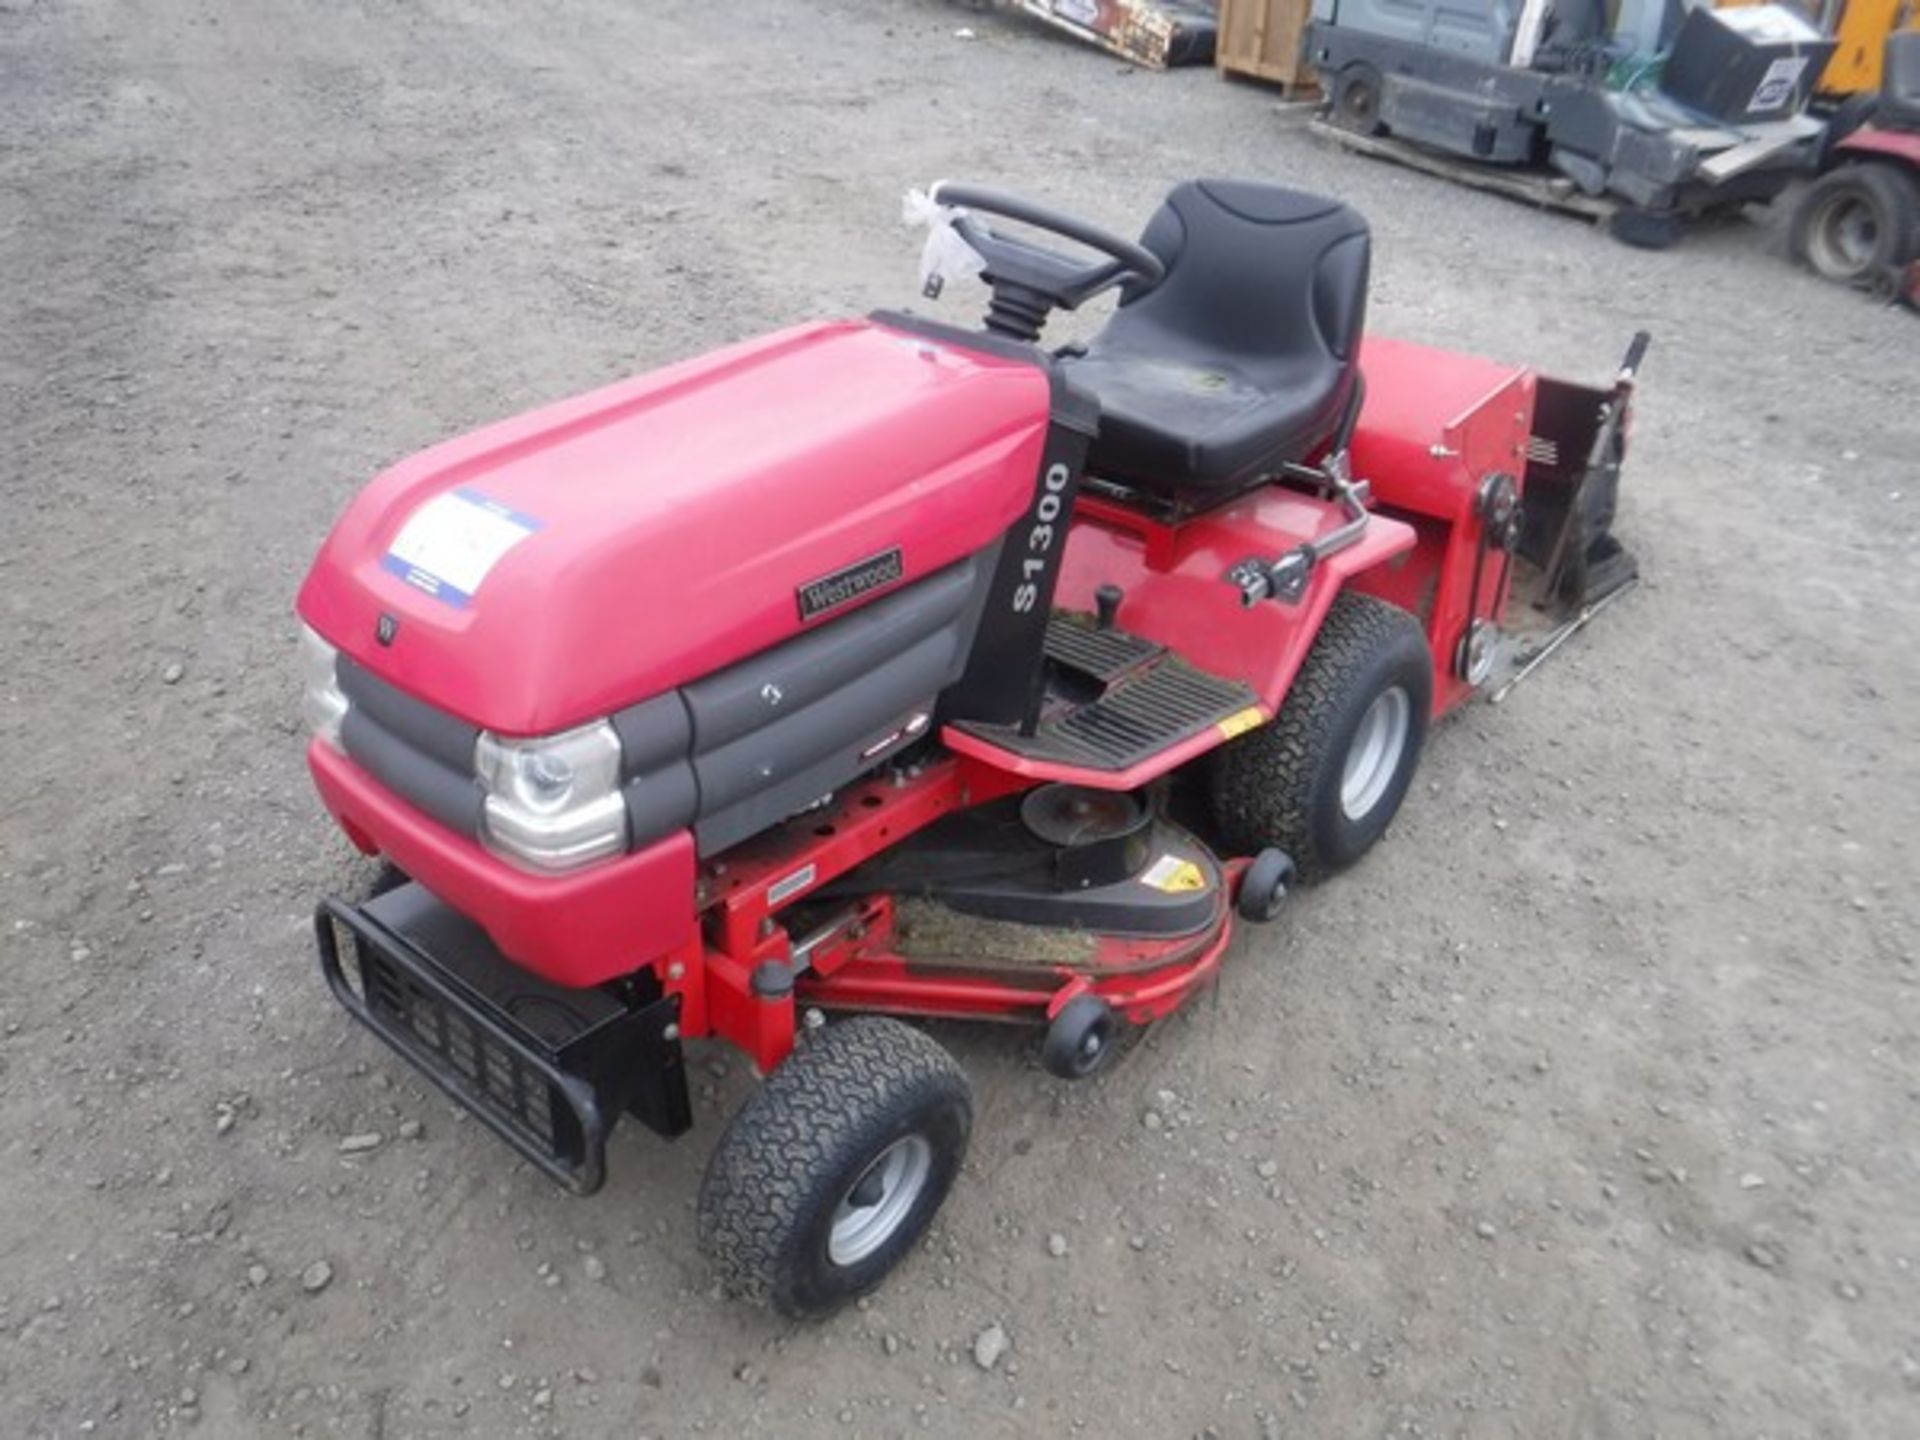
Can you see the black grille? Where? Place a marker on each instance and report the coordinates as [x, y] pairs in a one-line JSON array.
[[492, 1074], [548, 1068], [497, 1069]]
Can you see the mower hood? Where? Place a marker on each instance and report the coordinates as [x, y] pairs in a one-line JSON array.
[[551, 569]]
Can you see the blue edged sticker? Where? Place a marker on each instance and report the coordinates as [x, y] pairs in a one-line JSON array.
[[450, 543]]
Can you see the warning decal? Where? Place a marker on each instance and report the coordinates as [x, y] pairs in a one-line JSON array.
[[1174, 876]]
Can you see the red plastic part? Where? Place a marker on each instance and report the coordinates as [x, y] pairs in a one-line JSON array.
[[1142, 980], [1436, 424], [678, 515], [1870, 142], [1177, 593], [582, 929]]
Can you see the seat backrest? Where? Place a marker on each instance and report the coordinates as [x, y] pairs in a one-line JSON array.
[[1900, 75], [1253, 271]]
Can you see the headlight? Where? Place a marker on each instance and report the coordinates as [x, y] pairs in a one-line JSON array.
[[324, 704], [553, 803]]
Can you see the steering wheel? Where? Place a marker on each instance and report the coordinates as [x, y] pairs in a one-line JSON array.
[[1030, 281]]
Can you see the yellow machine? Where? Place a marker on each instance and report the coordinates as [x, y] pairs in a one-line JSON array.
[[1861, 27]]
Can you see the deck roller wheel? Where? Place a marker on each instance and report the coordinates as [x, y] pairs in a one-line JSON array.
[[1082, 1040], [1263, 889]]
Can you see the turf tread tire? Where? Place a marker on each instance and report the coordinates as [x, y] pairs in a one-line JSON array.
[[804, 1137], [1275, 786]]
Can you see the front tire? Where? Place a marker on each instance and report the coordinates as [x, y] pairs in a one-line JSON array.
[[1325, 779], [835, 1167]]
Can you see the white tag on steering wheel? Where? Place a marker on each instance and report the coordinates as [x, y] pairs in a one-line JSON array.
[[945, 256]]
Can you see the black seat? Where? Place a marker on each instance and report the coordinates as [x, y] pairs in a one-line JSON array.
[[1899, 105], [1243, 357]]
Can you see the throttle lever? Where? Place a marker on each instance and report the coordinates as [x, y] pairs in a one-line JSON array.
[[1285, 579]]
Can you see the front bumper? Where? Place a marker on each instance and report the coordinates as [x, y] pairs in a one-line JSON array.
[[547, 1069], [586, 928]]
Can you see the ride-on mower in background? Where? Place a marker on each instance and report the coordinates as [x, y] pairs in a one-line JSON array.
[[1859, 223], [889, 668]]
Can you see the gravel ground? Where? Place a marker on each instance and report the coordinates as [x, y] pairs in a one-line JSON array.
[[1586, 1107]]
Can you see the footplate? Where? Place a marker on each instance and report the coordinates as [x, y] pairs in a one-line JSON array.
[[547, 1069], [1149, 700]]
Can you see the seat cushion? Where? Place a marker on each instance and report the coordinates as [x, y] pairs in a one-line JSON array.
[[1242, 358], [1204, 424]]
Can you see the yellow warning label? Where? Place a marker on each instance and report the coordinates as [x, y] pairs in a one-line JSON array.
[[1173, 875], [1241, 721]]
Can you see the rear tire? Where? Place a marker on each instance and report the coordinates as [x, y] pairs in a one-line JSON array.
[[1325, 779], [1856, 222], [835, 1167]]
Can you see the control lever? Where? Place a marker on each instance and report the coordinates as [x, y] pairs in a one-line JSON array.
[[1285, 579]]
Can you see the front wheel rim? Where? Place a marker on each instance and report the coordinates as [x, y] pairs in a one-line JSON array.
[[1373, 758], [879, 1201]]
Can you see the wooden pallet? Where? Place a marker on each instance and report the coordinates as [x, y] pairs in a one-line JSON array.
[[1266, 40], [1534, 187]]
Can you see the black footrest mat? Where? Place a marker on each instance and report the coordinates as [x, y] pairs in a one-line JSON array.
[[1102, 655], [1157, 701]]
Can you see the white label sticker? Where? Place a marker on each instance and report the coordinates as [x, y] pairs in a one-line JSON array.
[[450, 543], [1776, 87], [789, 885]]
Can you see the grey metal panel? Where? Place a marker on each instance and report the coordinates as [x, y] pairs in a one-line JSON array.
[[432, 732], [1478, 126], [784, 796], [661, 793], [454, 798], [848, 696], [653, 732], [834, 723], [1480, 29], [762, 691], [660, 802]]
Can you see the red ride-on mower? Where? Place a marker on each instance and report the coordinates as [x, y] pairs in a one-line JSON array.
[[889, 668], [1859, 223]]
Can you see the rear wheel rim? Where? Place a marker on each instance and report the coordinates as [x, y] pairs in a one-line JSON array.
[[1373, 758], [1846, 237], [878, 1203]]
